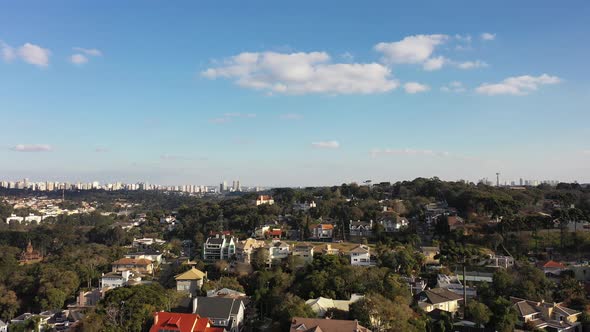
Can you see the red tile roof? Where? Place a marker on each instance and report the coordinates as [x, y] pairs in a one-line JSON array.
[[171, 321], [554, 264]]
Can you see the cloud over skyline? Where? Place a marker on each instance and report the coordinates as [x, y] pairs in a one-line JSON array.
[[517, 85]]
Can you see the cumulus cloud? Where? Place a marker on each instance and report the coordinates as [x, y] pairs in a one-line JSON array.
[[411, 50], [326, 145], [302, 73], [472, 64], [32, 148], [435, 63], [34, 54], [488, 36], [78, 59], [291, 116], [88, 51], [454, 86], [518, 85], [415, 87]]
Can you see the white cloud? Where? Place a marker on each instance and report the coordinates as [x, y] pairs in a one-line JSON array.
[[228, 117], [454, 86], [518, 85], [435, 63], [7, 51], [472, 64], [463, 38], [488, 36], [88, 51], [303, 73], [412, 49], [415, 87], [326, 145], [32, 148], [291, 116], [34, 54], [78, 59]]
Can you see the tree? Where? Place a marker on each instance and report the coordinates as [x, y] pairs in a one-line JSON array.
[[383, 314], [291, 306], [260, 259], [479, 312], [8, 303], [504, 316]]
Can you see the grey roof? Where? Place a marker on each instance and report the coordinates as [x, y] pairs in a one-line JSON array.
[[441, 295], [216, 307], [215, 240], [525, 309]]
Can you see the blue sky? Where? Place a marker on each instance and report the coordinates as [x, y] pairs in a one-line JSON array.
[[300, 93]]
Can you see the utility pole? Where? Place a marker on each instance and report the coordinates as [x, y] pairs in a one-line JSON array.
[[497, 179], [464, 289]]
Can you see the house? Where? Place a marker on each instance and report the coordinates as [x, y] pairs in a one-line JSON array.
[[30, 255], [172, 321], [304, 206], [224, 312], [226, 292], [500, 261], [549, 316], [391, 225], [167, 220], [552, 268], [361, 228], [245, 249], [299, 324], [118, 279], [439, 298], [141, 265], [453, 284], [31, 218], [153, 255], [146, 242], [264, 199], [277, 251], [260, 232], [322, 232], [360, 255], [328, 250], [303, 250], [3, 326], [190, 281], [455, 222], [416, 285], [87, 299], [321, 305], [219, 247], [274, 234], [430, 254]]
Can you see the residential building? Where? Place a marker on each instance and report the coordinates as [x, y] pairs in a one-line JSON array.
[[118, 279], [328, 250], [500, 261], [549, 316], [224, 312], [3, 326], [87, 299], [141, 265], [395, 224], [173, 321], [361, 228], [322, 232], [31, 218], [277, 251], [264, 199], [146, 242], [453, 284], [321, 305], [226, 292], [219, 247], [245, 249], [416, 285], [190, 281], [299, 324], [439, 298], [153, 255], [304, 206], [275, 234], [360, 255], [552, 268], [305, 251]]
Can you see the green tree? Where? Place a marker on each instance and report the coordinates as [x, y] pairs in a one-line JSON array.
[[479, 312], [9, 303]]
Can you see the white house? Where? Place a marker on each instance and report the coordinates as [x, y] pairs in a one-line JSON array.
[[219, 247], [322, 232], [321, 305], [361, 228], [360, 256], [264, 199], [118, 279], [439, 298], [147, 242], [14, 218], [277, 251], [305, 251], [153, 255], [391, 225]]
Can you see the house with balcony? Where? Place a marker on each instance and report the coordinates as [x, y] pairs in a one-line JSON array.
[[190, 281], [245, 249], [305, 251], [361, 228], [140, 265], [277, 251], [154, 255], [322, 232], [219, 247], [118, 279]]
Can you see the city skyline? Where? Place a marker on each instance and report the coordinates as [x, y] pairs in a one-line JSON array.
[[385, 92]]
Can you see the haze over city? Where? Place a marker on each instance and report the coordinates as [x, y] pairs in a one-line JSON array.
[[195, 93]]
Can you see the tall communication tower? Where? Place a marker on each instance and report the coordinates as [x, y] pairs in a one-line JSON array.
[[497, 179]]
